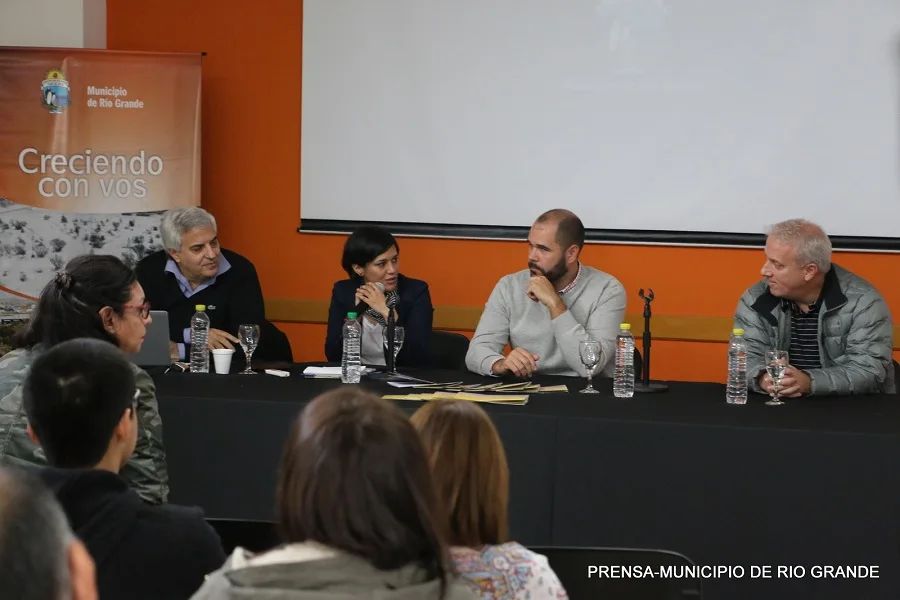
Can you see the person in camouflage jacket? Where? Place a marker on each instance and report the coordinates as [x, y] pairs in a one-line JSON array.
[[96, 297]]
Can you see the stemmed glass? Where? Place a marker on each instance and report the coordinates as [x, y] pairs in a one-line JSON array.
[[590, 358], [399, 335], [249, 336], [776, 363]]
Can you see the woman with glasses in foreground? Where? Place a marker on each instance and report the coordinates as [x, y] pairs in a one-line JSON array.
[[94, 296]]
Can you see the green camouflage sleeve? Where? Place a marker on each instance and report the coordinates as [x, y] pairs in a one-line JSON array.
[[146, 471], [16, 448]]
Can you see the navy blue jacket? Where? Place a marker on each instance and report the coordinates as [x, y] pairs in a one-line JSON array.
[[414, 313]]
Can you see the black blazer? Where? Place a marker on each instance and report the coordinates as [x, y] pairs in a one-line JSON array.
[[414, 313]]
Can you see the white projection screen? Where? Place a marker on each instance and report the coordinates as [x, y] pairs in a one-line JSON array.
[[642, 116]]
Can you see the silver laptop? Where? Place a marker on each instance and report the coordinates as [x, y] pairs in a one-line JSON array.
[[155, 349]]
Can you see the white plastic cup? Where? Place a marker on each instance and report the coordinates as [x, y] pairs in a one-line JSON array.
[[222, 360]]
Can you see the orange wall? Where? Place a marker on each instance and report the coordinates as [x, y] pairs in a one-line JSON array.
[[251, 182]]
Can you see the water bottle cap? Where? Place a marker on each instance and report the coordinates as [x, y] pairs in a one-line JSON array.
[[625, 326], [738, 331], [200, 307], [351, 315]]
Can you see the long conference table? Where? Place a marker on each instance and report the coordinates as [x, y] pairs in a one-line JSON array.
[[814, 483]]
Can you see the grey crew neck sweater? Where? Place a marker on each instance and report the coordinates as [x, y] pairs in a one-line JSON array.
[[596, 307]]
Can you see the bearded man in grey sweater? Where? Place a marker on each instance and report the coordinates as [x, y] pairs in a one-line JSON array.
[[545, 311]]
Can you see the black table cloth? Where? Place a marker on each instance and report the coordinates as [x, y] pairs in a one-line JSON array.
[[814, 483]]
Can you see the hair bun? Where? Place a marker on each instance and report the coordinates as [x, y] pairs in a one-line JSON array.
[[64, 280]]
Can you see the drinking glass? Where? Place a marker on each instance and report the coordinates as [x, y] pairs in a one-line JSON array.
[[249, 336], [776, 363], [399, 334], [590, 358]]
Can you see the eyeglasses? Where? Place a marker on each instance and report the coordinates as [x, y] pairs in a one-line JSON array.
[[143, 309]]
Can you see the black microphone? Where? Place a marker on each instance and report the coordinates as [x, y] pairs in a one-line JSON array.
[[362, 306]]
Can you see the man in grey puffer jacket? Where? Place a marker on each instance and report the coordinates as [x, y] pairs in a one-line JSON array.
[[835, 325]]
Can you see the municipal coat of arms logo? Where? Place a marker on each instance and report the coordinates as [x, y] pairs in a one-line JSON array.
[[55, 91]]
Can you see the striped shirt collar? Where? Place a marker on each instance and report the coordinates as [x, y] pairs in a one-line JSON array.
[[571, 286], [793, 307]]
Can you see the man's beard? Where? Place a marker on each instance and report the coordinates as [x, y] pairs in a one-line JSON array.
[[553, 274]]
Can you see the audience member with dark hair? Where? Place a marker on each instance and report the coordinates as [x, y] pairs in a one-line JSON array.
[[80, 398], [40, 559], [471, 476], [371, 256], [357, 507], [93, 297]]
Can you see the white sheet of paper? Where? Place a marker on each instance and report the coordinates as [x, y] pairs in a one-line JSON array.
[[322, 371], [329, 371]]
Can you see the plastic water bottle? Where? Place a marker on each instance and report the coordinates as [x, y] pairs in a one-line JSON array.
[[350, 361], [623, 379], [736, 389], [199, 338]]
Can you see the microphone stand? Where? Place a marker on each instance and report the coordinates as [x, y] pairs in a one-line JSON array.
[[390, 359], [645, 385]]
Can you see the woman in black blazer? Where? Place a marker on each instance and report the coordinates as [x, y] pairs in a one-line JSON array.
[[372, 255]]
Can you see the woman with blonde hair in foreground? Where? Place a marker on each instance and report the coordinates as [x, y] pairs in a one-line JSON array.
[[469, 467], [357, 507]]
